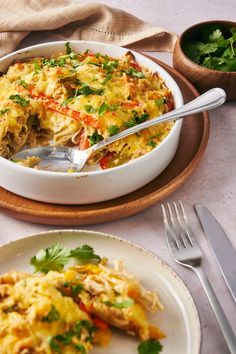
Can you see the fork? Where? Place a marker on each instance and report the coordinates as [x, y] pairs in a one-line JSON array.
[[185, 251]]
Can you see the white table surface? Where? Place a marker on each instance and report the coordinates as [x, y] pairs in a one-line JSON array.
[[212, 183]]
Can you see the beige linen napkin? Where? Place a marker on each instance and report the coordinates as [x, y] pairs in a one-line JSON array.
[[70, 20]]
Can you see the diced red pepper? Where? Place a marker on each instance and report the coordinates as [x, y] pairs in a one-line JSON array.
[[83, 307], [100, 324], [106, 160], [135, 65]]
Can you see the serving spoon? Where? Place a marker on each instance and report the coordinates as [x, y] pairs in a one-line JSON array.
[[63, 158]]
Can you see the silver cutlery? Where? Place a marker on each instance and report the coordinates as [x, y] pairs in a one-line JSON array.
[[185, 251], [221, 246], [51, 155]]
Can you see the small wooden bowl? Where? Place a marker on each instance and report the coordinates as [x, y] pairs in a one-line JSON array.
[[203, 78]]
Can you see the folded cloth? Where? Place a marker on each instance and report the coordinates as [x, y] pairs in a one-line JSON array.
[[70, 20]]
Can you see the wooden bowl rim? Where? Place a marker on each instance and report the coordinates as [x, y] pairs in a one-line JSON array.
[[200, 24]]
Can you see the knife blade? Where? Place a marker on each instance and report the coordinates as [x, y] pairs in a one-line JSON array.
[[222, 248]]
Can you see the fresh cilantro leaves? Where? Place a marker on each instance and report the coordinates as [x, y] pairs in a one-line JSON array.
[[150, 346], [151, 143], [90, 109], [105, 107], [135, 73], [120, 305], [64, 103], [19, 100], [51, 258], [54, 62], [137, 119], [95, 138], [69, 49], [113, 130], [75, 289], [22, 83], [159, 101], [53, 315], [86, 90], [57, 256], [71, 337], [108, 77], [214, 50], [85, 253], [3, 111], [37, 67], [108, 64]]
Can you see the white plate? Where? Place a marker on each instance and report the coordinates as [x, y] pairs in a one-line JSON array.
[[180, 319]]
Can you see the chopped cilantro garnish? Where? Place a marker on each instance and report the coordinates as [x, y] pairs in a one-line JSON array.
[[120, 305], [105, 107], [95, 138], [64, 103], [60, 339], [93, 63], [80, 348], [90, 109], [69, 49], [3, 111], [84, 324], [108, 64], [137, 120], [71, 337], [53, 315], [108, 77], [19, 100], [54, 62], [151, 143], [22, 83], [159, 101], [150, 346], [86, 252], [37, 67], [76, 289], [98, 55], [113, 130], [76, 63], [102, 109], [134, 72], [86, 90]]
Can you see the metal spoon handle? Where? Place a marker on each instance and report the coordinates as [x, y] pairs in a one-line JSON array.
[[210, 99]]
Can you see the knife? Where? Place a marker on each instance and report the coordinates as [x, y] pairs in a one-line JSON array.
[[222, 248]]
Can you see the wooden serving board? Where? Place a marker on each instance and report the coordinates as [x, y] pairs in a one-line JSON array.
[[193, 141]]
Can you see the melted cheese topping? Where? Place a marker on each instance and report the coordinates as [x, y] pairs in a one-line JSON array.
[[33, 312], [79, 99]]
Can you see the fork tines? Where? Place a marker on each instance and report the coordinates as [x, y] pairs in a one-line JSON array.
[[177, 228]]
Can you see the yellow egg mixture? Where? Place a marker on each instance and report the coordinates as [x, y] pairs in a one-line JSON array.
[[78, 99]]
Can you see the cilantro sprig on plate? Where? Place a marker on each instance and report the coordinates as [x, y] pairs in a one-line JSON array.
[[57, 256], [214, 50], [150, 346]]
